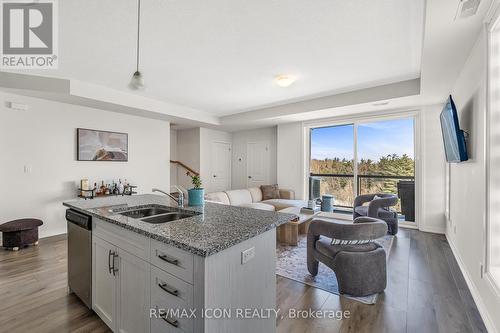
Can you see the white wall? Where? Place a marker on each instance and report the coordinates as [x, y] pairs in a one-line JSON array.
[[44, 138], [239, 162], [466, 229], [291, 158], [433, 171], [173, 156], [207, 138], [188, 152]]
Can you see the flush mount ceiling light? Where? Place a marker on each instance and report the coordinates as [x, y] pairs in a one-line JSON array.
[[284, 80], [137, 81]]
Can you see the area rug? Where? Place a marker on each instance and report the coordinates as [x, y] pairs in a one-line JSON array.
[[291, 263]]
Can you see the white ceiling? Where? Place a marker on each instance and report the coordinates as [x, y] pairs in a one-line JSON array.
[[220, 56]]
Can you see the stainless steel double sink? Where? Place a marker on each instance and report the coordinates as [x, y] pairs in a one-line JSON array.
[[158, 215]]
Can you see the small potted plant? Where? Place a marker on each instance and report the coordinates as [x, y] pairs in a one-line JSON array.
[[197, 193]]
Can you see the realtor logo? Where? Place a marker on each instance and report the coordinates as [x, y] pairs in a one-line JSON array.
[[29, 34]]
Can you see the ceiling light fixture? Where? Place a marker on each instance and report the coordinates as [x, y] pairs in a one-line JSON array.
[[284, 80], [137, 81]]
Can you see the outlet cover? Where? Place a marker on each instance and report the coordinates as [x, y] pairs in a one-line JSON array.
[[247, 255]]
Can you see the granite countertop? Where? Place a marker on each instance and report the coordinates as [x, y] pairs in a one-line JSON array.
[[217, 228]]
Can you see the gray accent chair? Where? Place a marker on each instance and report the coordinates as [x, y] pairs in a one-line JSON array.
[[360, 268], [378, 208]]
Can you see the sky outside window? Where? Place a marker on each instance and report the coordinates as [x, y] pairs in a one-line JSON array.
[[375, 140]]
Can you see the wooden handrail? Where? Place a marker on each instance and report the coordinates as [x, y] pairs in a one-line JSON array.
[[189, 170]]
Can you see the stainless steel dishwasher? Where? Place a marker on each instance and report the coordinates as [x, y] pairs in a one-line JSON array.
[[80, 255]]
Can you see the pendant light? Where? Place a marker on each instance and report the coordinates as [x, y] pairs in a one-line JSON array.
[[137, 81]]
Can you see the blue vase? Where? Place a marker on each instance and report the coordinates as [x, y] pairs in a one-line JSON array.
[[196, 197]]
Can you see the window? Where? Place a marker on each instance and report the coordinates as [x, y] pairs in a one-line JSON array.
[[366, 157], [332, 160]]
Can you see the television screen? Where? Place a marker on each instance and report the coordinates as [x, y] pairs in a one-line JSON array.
[[453, 136]]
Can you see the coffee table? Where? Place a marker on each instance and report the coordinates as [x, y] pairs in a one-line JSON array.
[[289, 233]]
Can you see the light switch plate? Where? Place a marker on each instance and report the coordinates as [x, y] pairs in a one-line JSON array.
[[247, 255]]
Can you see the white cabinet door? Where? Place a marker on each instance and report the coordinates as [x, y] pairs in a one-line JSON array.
[[220, 167], [257, 163], [103, 281], [132, 293]]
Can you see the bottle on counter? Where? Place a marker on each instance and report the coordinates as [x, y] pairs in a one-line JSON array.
[[103, 188], [121, 188], [114, 188]]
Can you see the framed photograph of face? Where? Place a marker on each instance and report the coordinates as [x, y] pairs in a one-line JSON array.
[[95, 145]]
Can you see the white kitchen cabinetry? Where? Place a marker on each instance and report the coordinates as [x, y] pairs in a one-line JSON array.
[[133, 275], [120, 280], [103, 281], [132, 293]]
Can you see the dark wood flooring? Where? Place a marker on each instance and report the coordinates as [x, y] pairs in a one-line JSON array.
[[426, 293]]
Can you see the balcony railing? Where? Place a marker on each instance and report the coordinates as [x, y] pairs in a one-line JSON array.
[[341, 187]]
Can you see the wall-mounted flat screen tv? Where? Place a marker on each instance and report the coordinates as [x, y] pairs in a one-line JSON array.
[[454, 138]]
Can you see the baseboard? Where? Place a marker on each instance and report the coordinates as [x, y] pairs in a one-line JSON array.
[[52, 233], [481, 307], [435, 230]]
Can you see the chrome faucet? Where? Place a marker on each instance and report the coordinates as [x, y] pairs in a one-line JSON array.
[[179, 200]]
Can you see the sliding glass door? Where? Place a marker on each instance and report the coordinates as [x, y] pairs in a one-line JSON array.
[[366, 157], [332, 161]]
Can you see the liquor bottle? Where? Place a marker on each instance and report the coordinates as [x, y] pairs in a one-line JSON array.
[[103, 188], [120, 187]]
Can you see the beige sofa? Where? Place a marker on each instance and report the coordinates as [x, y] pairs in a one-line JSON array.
[[252, 198]]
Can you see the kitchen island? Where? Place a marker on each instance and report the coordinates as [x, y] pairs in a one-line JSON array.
[[212, 271]]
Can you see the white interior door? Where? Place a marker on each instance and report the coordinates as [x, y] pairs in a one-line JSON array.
[[257, 163], [220, 167]]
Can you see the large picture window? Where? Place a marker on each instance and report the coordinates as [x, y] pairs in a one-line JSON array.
[[366, 157]]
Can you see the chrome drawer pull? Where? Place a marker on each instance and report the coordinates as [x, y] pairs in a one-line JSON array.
[[114, 268], [168, 259], [171, 321], [168, 289], [109, 261]]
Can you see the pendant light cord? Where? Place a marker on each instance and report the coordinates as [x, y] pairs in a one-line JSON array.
[[138, 30]]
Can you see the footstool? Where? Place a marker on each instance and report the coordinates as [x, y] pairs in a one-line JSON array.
[[20, 233]]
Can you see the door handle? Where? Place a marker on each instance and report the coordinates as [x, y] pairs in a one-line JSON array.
[[166, 258], [249, 177], [168, 289], [114, 269], [109, 262], [215, 176], [171, 321]]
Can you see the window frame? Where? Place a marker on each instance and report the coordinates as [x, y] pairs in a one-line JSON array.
[[415, 114]]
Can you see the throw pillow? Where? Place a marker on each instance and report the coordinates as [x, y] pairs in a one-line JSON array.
[[270, 192], [349, 242]]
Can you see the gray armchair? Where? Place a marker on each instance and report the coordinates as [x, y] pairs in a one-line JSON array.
[[360, 268], [378, 208]]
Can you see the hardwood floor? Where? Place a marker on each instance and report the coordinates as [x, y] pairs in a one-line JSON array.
[[34, 295], [426, 293]]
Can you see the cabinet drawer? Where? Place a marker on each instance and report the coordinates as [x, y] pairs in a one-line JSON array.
[[160, 325], [166, 289], [169, 293], [172, 260]]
